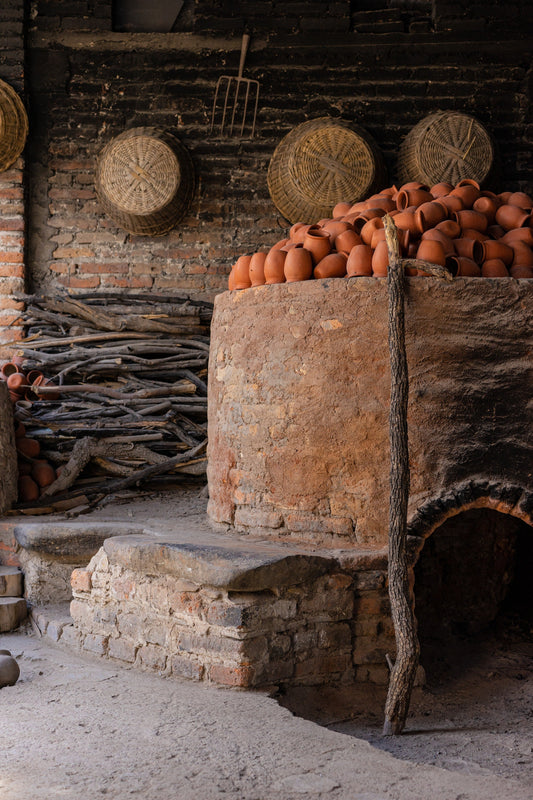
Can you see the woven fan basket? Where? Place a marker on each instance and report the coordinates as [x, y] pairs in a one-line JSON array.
[[13, 126], [145, 181], [320, 163], [446, 146]]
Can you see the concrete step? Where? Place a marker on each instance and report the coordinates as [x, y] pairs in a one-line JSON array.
[[10, 582]]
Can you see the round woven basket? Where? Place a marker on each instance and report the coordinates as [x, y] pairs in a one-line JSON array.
[[13, 126], [446, 146], [145, 180], [320, 163]]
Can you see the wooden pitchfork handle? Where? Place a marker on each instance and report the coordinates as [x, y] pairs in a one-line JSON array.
[[244, 49]]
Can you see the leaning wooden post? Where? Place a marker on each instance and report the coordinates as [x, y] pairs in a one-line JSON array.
[[402, 606]]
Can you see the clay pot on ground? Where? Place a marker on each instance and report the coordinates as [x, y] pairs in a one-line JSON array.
[[487, 204], [406, 221], [28, 447], [432, 251], [273, 267], [331, 266], [346, 240], [318, 244], [470, 248], [468, 218], [43, 473], [468, 193], [298, 265], [17, 382], [380, 260], [413, 185], [256, 269], [519, 271], [9, 669], [428, 215], [496, 249], [441, 189], [494, 268], [368, 229], [412, 197], [241, 277], [512, 217], [27, 489], [359, 261], [9, 369], [298, 231], [522, 200], [518, 235], [381, 201], [450, 228], [522, 254], [336, 226], [451, 202], [462, 267]]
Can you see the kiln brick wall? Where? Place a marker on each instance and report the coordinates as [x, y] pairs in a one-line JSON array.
[[383, 65], [12, 225]]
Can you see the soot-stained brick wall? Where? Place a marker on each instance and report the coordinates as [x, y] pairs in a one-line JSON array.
[[384, 65]]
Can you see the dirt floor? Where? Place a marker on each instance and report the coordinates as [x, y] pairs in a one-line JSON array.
[[79, 726]]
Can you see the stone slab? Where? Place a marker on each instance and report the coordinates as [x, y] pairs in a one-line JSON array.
[[13, 611], [69, 542], [10, 582]]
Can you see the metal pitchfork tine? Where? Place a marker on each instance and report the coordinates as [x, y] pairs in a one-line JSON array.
[[235, 83]]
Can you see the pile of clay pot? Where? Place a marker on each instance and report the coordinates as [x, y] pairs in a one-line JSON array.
[[34, 473], [474, 233]]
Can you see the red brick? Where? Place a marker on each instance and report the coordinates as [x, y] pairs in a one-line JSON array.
[[106, 268], [11, 194], [129, 283], [69, 194], [73, 252], [79, 283], [8, 302], [11, 285], [11, 257], [60, 267], [232, 676], [11, 223], [15, 271]]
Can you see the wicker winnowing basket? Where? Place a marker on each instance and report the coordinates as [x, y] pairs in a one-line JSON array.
[[13, 126], [145, 180], [446, 146], [320, 163]]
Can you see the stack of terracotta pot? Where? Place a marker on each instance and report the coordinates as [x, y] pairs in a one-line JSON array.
[[34, 473], [474, 233]]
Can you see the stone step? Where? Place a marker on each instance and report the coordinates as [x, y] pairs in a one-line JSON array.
[[10, 582], [13, 611]]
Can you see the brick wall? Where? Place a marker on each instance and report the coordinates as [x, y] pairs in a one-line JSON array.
[[384, 65], [12, 224]]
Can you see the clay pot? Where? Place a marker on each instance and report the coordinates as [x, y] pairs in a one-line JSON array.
[[441, 189], [521, 272], [432, 251], [346, 240], [438, 236], [494, 268], [42, 381], [462, 267], [28, 447], [20, 431], [336, 226], [413, 185], [487, 204], [428, 215], [518, 235], [504, 197], [33, 374], [522, 254], [331, 266], [8, 369], [359, 261], [279, 244], [231, 279], [468, 218], [273, 267], [380, 236], [512, 217], [381, 201], [412, 197], [341, 209], [522, 200], [406, 221], [241, 269], [298, 231], [298, 264], [256, 270], [17, 382], [496, 231], [450, 228], [357, 208], [9, 669], [496, 249], [318, 243], [380, 260], [368, 229], [470, 248], [24, 467], [451, 202], [43, 473], [467, 191], [27, 489], [470, 233]]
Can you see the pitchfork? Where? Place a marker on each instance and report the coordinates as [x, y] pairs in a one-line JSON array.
[[236, 90]]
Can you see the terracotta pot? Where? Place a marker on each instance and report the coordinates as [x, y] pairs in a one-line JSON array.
[[379, 236], [27, 489], [380, 260], [231, 279], [487, 205], [412, 197], [468, 193], [17, 382], [522, 254], [346, 240], [468, 218], [382, 202], [336, 226], [413, 185], [470, 233], [9, 369], [450, 228], [451, 202], [43, 473], [331, 266], [42, 381], [470, 248], [406, 221], [359, 261], [522, 200], [33, 375], [441, 189], [518, 235], [494, 268], [438, 236], [357, 208], [280, 244], [273, 267], [428, 215], [298, 264], [504, 196], [28, 447], [241, 269], [257, 269], [299, 228], [24, 467], [368, 229], [521, 272], [496, 249], [432, 251], [512, 217], [20, 431], [318, 243], [462, 267], [341, 209]]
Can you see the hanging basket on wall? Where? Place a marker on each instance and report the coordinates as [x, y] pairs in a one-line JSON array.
[[320, 163], [13, 126], [145, 180], [446, 146]]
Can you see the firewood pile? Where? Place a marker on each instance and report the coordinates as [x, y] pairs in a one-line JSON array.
[[114, 393]]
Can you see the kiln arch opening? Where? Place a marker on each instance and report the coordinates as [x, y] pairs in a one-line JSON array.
[[473, 588]]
